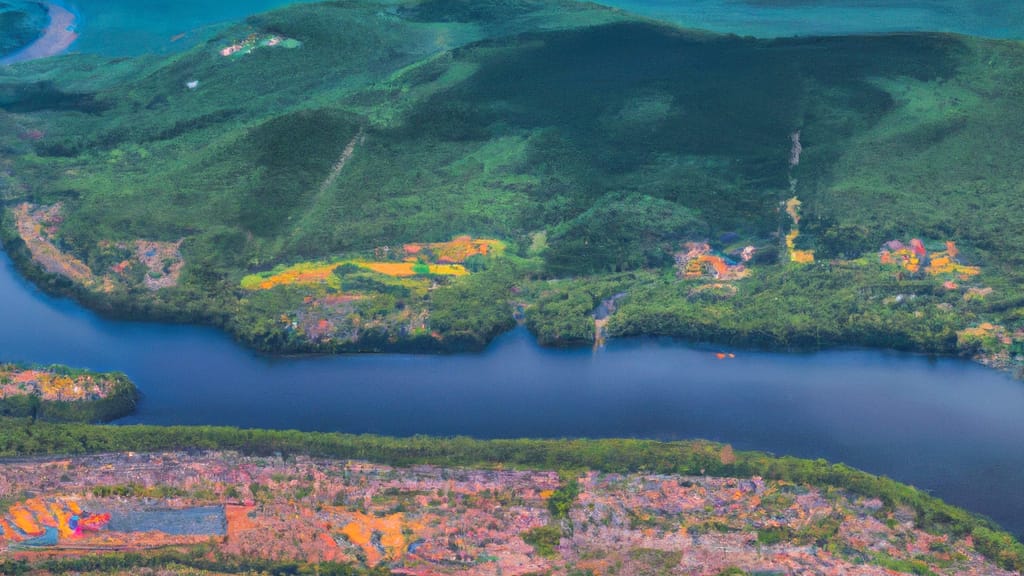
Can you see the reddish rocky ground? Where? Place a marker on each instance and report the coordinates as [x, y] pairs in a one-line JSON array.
[[50, 385], [39, 227], [430, 520]]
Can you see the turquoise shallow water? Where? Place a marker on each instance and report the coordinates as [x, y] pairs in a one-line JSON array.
[[770, 18], [123, 27], [20, 23]]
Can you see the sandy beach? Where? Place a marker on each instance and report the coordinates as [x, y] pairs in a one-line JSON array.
[[56, 39]]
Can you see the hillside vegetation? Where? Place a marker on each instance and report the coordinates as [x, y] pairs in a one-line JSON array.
[[407, 175]]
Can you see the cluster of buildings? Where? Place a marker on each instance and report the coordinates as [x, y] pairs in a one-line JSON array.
[[430, 520], [915, 258], [698, 260]]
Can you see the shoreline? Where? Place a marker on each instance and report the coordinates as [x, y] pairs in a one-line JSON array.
[[96, 306], [56, 39]]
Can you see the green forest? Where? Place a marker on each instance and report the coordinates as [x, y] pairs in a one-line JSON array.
[[314, 191]]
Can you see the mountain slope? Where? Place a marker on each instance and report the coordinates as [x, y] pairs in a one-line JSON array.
[[299, 180]]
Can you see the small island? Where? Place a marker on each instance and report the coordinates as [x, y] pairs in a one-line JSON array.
[[62, 394]]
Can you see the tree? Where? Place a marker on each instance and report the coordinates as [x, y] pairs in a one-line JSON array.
[[727, 456]]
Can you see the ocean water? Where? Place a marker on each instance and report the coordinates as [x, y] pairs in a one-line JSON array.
[[20, 22], [124, 27], [776, 18]]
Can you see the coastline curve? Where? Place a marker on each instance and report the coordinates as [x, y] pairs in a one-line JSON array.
[[59, 35]]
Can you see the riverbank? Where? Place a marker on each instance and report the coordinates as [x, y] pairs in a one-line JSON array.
[[824, 404], [56, 39], [921, 319]]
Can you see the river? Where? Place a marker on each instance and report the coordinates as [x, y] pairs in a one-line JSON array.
[[950, 426]]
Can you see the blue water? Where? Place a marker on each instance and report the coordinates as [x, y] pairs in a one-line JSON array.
[[950, 426], [130, 27], [776, 18], [201, 520], [127, 27]]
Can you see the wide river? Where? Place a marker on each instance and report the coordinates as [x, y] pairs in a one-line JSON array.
[[946, 425]]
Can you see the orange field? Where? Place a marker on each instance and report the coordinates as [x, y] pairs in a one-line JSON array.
[[390, 268], [304, 273], [402, 269], [32, 516], [361, 530], [458, 249], [441, 258], [795, 255], [937, 263], [323, 273]]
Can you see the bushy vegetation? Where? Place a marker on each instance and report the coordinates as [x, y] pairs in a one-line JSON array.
[[801, 308], [622, 234], [197, 560], [544, 539]]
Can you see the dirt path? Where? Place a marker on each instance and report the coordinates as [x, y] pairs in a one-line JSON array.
[[342, 160]]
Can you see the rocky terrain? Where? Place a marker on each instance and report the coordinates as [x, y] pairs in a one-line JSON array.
[[433, 520]]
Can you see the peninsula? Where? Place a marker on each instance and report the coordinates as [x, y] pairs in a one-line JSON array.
[[62, 394]]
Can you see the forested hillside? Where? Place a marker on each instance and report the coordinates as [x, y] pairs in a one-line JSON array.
[[411, 175]]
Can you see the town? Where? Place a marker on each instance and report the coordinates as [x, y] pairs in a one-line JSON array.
[[431, 520]]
